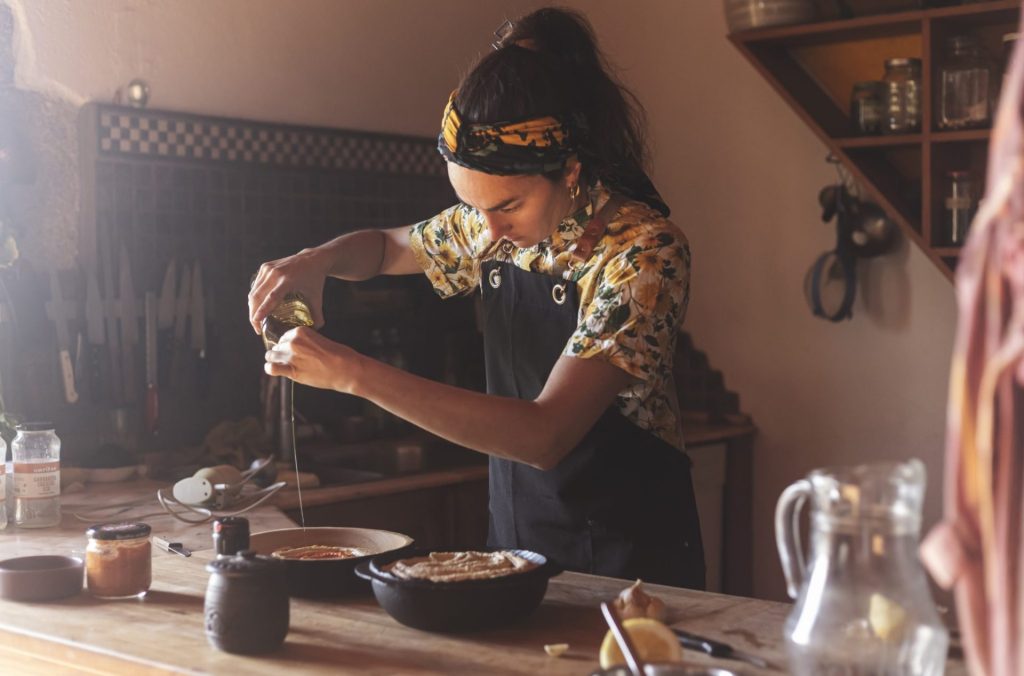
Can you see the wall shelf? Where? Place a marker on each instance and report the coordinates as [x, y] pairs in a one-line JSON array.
[[814, 66]]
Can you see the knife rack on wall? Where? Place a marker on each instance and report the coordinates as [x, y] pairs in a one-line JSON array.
[[203, 201]]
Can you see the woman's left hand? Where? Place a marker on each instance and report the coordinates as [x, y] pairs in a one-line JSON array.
[[308, 358]]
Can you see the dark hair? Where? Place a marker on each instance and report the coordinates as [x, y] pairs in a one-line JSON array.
[[550, 64]]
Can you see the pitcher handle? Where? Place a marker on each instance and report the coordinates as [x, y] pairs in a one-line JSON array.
[[787, 534]]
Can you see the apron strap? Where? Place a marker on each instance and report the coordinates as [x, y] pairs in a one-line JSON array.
[[594, 231]]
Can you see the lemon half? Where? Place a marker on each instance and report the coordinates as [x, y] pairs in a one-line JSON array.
[[651, 639]]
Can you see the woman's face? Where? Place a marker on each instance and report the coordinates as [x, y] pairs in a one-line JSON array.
[[524, 210]]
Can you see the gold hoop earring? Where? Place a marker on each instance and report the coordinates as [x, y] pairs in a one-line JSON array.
[[574, 192]]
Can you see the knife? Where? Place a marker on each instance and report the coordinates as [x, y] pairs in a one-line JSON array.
[[719, 649], [129, 326], [197, 327], [152, 391], [95, 334], [58, 313], [165, 320], [180, 324]]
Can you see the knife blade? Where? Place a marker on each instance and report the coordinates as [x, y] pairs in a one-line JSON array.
[[152, 372], [180, 346], [129, 326], [165, 317], [57, 310], [197, 329], [719, 649], [96, 335]]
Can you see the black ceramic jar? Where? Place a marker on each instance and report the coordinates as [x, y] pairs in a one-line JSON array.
[[246, 609]]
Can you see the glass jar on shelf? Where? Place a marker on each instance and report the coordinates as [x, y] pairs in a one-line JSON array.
[[966, 85], [902, 109], [867, 104], [960, 205]]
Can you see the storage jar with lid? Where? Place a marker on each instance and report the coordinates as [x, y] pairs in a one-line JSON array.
[[966, 85], [118, 560], [902, 96], [246, 607], [866, 107], [35, 452]]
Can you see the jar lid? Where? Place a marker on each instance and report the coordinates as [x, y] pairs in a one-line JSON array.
[[124, 530], [245, 562], [962, 40], [902, 62], [1010, 37], [234, 523], [36, 427]]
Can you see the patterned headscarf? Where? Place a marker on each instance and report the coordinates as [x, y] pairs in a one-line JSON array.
[[532, 146]]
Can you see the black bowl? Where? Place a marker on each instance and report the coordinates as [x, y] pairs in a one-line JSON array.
[[317, 579], [458, 606]]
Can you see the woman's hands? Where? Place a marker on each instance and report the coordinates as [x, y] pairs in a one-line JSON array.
[[304, 272], [308, 358]]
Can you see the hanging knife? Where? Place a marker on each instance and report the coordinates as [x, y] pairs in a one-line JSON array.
[[152, 391], [197, 327], [95, 334], [165, 319], [58, 312], [129, 326], [719, 649], [180, 324]]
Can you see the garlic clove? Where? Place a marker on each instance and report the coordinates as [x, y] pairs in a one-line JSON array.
[[556, 649], [635, 602]]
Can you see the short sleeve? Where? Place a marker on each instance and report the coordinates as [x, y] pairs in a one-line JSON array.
[[639, 301], [448, 247]]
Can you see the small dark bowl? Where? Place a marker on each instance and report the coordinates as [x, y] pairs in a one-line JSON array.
[[458, 606], [41, 578], [331, 577]]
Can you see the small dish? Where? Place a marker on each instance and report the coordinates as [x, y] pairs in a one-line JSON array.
[[41, 578]]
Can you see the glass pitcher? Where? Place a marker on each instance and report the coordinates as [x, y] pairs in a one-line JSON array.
[[862, 600]]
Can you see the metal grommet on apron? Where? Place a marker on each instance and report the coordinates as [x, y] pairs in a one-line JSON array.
[[494, 278], [507, 248], [558, 293]]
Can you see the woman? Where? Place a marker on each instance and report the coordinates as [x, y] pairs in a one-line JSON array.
[[584, 285]]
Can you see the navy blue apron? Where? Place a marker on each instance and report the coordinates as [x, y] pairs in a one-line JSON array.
[[621, 503]]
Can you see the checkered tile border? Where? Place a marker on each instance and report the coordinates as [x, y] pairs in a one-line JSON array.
[[159, 134]]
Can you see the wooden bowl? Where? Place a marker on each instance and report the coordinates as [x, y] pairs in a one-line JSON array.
[[331, 577]]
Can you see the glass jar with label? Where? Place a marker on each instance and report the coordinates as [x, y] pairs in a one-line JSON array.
[[960, 206], [36, 455], [118, 560], [966, 88], [902, 79], [866, 107]]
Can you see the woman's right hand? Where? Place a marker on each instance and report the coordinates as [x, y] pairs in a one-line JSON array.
[[304, 272]]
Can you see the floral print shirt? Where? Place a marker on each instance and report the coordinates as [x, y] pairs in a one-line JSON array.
[[633, 292]]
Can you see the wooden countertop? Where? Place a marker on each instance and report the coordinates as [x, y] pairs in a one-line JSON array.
[[163, 633]]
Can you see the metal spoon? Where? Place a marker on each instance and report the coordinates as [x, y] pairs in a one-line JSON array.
[[636, 667]]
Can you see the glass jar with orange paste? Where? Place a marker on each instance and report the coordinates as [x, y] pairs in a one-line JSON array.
[[118, 560]]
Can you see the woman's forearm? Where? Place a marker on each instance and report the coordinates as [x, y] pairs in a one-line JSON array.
[[363, 254], [505, 427]]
